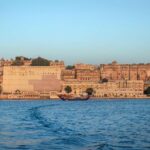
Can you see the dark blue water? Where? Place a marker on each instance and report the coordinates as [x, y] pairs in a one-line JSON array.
[[88, 125]]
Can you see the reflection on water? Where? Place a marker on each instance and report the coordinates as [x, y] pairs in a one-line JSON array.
[[88, 125]]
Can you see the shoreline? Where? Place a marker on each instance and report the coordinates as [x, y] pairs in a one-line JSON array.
[[92, 98]]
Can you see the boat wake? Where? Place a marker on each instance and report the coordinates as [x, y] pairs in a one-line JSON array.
[[48, 122], [94, 125], [36, 115]]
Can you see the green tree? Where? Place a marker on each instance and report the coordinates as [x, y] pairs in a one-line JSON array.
[[17, 62], [69, 67], [22, 58], [68, 89], [147, 91], [104, 80], [89, 91], [40, 62], [0, 89], [56, 61]]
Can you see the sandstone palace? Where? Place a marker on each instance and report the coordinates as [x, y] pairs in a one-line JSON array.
[[39, 78]]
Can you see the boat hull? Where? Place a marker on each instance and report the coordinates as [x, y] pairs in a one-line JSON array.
[[69, 98]]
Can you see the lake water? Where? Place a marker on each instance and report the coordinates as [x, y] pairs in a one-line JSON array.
[[86, 125]]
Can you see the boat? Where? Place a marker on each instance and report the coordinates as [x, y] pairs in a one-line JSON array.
[[71, 97]]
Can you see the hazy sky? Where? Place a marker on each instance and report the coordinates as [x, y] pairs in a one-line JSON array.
[[90, 31]]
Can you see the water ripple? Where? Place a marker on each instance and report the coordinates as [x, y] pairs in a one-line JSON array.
[[90, 125]]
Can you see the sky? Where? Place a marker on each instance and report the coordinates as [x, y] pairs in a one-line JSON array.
[[76, 31]]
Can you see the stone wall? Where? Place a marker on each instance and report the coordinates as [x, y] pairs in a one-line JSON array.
[[109, 89], [29, 78]]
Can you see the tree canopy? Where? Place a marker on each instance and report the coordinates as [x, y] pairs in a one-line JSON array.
[[40, 62], [17, 63], [89, 91], [68, 89], [104, 80], [22, 58], [69, 67], [147, 91], [0, 89]]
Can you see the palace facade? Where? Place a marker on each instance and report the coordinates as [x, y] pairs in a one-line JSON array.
[[107, 80], [115, 71], [117, 89]]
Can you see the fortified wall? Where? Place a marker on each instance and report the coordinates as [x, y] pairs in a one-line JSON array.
[[31, 78]]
